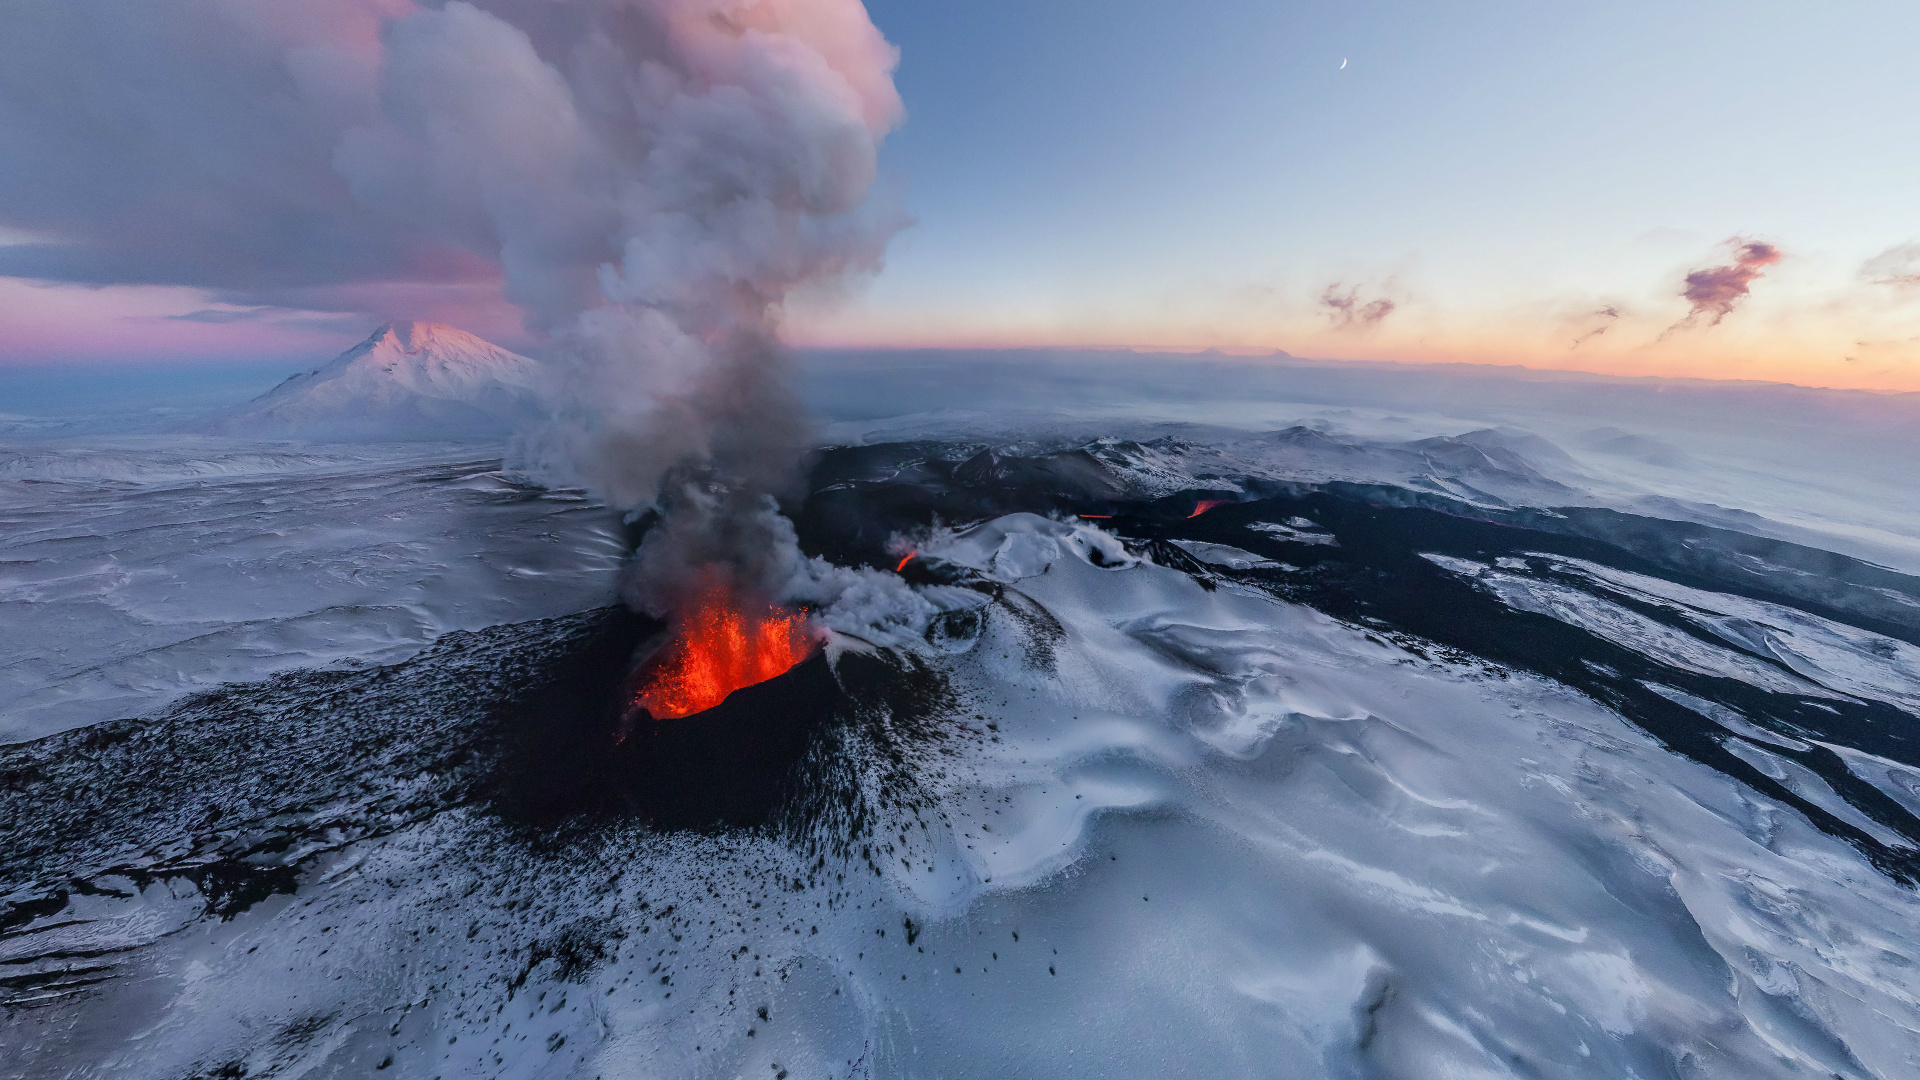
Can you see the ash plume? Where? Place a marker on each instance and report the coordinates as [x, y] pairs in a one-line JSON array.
[[1608, 315], [656, 176], [1715, 291], [1345, 309], [647, 180]]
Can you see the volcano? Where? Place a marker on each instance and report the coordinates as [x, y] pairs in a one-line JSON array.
[[721, 643], [577, 752], [408, 382]]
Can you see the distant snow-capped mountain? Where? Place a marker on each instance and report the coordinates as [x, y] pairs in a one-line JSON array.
[[409, 381]]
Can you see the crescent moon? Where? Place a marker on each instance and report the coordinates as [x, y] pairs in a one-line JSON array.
[[1343, 65]]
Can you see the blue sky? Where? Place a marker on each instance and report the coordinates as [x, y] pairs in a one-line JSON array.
[[1175, 170]]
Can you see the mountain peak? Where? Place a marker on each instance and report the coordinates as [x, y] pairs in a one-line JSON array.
[[431, 358], [413, 336], [408, 380]]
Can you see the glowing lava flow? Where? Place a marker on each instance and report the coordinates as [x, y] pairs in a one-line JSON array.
[[907, 558], [1206, 505], [720, 646]]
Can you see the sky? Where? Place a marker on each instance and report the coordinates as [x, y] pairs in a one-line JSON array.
[[1710, 189]]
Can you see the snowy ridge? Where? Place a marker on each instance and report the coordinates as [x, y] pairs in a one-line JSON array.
[[1827, 468], [1819, 656], [138, 460], [409, 381]]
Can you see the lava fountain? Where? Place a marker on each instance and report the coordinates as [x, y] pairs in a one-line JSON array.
[[721, 642], [1203, 506]]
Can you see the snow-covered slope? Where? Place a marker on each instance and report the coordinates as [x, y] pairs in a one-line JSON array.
[[1154, 828], [409, 381]]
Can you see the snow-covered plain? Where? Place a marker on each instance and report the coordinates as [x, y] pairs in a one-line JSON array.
[[135, 570], [1172, 812], [144, 563]]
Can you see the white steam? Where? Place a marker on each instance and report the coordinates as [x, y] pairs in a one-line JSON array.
[[656, 176]]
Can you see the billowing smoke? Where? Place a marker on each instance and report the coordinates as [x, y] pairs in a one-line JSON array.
[[1715, 291], [723, 152], [1608, 316], [647, 180], [1345, 308]]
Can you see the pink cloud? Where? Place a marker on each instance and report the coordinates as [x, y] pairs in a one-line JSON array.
[[1716, 290]]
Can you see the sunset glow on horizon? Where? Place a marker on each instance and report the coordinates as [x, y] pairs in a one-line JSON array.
[[1851, 340], [1559, 190]]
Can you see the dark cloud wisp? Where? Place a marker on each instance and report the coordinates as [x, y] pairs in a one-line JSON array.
[[1345, 309], [1608, 315]]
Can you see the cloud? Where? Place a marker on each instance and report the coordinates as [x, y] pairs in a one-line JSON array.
[[1345, 309], [278, 317], [1898, 266], [219, 316], [1715, 291], [1608, 315], [647, 180], [327, 154], [191, 143]]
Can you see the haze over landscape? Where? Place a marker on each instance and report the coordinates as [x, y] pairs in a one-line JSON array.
[[801, 538]]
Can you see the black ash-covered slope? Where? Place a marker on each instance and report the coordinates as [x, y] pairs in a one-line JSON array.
[[229, 798]]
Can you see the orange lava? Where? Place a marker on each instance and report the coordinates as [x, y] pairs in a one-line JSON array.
[[1205, 505], [904, 561], [719, 646]]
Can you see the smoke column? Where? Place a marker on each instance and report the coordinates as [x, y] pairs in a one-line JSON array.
[[658, 176], [647, 180]]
